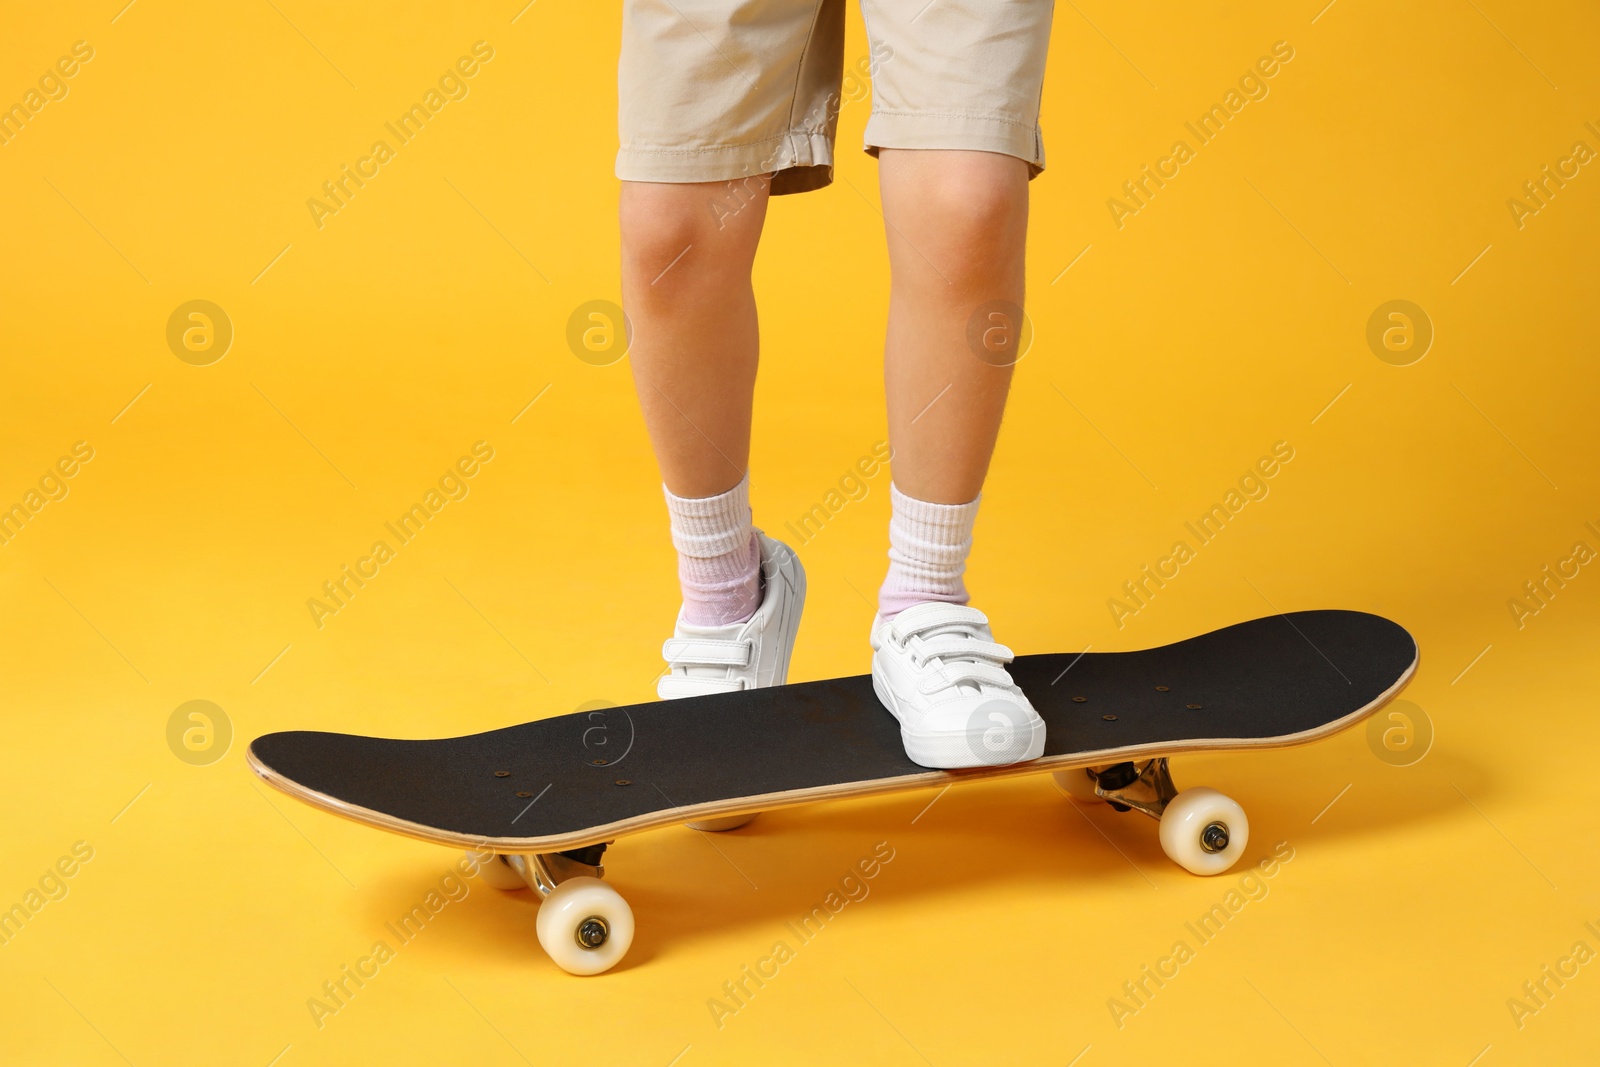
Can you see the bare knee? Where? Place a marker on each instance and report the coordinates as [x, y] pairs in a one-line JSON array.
[[674, 236], [965, 215], [658, 222]]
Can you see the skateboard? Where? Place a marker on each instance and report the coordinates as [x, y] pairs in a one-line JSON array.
[[537, 804]]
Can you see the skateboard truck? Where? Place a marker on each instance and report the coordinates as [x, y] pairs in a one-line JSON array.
[[543, 871], [1149, 787], [1197, 826], [1145, 787]]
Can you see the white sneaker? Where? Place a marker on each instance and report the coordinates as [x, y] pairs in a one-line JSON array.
[[937, 668], [741, 655]]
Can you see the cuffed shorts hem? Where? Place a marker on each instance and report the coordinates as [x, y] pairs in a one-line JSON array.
[[799, 162], [954, 130]]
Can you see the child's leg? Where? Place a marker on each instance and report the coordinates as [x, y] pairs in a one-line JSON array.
[[686, 289], [714, 97], [956, 223], [956, 92]]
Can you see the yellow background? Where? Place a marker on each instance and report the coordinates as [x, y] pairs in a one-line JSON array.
[[428, 313]]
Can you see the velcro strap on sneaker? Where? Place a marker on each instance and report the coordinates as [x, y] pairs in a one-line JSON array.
[[705, 652], [932, 616], [951, 674], [673, 686], [958, 647]]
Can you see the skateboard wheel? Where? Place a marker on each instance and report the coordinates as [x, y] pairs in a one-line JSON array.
[[495, 872], [1076, 783], [585, 926], [724, 824], [1204, 831]]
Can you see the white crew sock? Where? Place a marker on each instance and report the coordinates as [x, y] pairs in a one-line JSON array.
[[928, 546], [719, 561]]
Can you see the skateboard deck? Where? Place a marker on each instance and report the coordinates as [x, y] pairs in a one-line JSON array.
[[586, 778]]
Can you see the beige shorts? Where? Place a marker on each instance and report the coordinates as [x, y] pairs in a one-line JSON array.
[[713, 90]]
